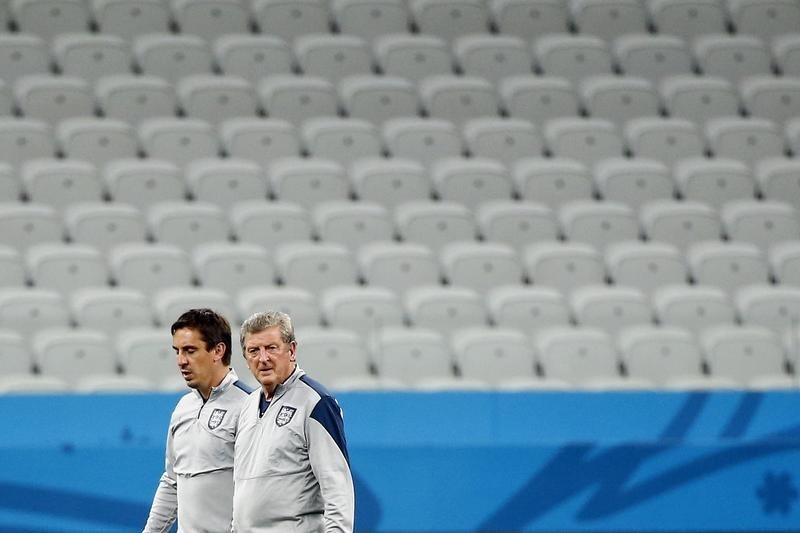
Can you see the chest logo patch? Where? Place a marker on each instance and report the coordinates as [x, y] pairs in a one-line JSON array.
[[216, 418], [285, 415]]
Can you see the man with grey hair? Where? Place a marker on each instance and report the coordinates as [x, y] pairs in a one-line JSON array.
[[291, 468]]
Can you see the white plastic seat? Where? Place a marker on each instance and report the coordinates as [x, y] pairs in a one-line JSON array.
[[516, 224], [608, 19], [762, 223], [22, 54], [135, 98], [714, 181], [187, 224], [458, 98], [66, 267], [258, 139], [10, 186], [423, 140], [224, 182], [170, 302], [506, 140], [16, 356], [6, 100], [61, 182], [252, 57], [53, 98], [98, 140], [390, 182], [365, 310], [552, 181], [573, 56], [148, 267], [172, 56], [48, 18], [563, 265], [775, 307], [23, 139], [786, 53], [689, 19], [435, 224], [664, 139], [297, 98], [288, 19], [32, 384], [332, 353], [104, 224], [371, 19], [407, 354], [269, 224], [784, 260], [297, 302], [315, 265], [578, 356], [91, 56], [450, 19], [27, 310], [699, 98], [481, 265], [694, 307], [524, 18], [143, 182], [216, 98], [492, 354], [378, 98], [732, 57], [610, 308], [680, 223], [111, 309], [745, 139], [792, 130], [660, 354], [28, 224], [777, 180], [332, 57], [727, 265], [179, 141], [493, 56], [743, 353], [445, 309], [471, 181], [70, 354], [645, 265], [633, 182], [412, 56], [398, 265], [598, 223], [765, 19], [341, 139], [529, 309], [12, 268], [775, 99], [308, 182], [211, 18], [538, 98], [582, 139], [232, 267], [619, 99], [652, 57], [131, 18], [352, 224]]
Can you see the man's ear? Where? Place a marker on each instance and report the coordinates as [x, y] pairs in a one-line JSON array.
[[293, 351], [219, 351]]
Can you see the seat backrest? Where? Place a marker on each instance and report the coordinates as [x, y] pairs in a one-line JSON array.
[[406, 354], [187, 224], [315, 265], [111, 309], [104, 225], [270, 224], [297, 302], [398, 265], [577, 355], [444, 309], [610, 308], [694, 307], [492, 354], [332, 353], [232, 267], [308, 181], [661, 353], [366, 310], [563, 265], [529, 309], [73, 353], [67, 267]]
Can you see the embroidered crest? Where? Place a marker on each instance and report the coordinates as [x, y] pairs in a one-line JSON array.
[[216, 418], [285, 415]]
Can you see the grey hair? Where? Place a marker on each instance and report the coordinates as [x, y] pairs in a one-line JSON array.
[[267, 319]]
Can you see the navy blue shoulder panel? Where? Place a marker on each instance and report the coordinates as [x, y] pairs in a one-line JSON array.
[[328, 413], [243, 386]]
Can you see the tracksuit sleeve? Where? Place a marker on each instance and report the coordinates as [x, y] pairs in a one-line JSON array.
[[164, 508], [327, 450]]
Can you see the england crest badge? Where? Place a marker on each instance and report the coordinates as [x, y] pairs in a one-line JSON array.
[[216, 418], [285, 415]]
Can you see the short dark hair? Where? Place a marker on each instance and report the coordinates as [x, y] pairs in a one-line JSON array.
[[212, 326]]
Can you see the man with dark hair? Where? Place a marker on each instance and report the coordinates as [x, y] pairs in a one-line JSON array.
[[197, 484]]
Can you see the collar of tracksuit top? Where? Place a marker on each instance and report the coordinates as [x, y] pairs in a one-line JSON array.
[[263, 403], [229, 379]]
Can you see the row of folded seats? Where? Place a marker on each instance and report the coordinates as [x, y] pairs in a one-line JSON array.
[[448, 19]]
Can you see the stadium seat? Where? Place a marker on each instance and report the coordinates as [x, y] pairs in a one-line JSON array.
[[352, 224], [714, 181], [390, 182], [99, 140], [525, 18], [492, 56], [573, 56], [412, 56], [61, 182], [398, 265], [492, 354], [297, 302], [423, 140], [529, 309], [172, 56], [762, 223], [216, 98], [619, 99], [22, 54], [332, 353], [445, 309], [458, 98], [187, 224], [332, 57], [13, 273], [727, 265], [743, 353], [652, 57], [680, 223], [664, 139], [585, 140], [660, 354], [580, 356], [699, 99], [786, 52], [694, 307], [341, 139], [178, 140], [148, 267], [689, 20], [516, 224], [252, 57], [784, 260], [371, 19], [435, 224], [110, 309], [259, 139], [608, 19], [135, 98], [633, 182], [378, 98], [408, 354], [450, 19], [610, 308], [27, 310], [552, 181], [470, 181], [732, 57], [598, 223], [645, 265], [28, 224], [104, 224], [23, 139], [232, 267], [365, 310], [481, 266], [210, 19], [53, 98], [270, 224], [288, 19], [91, 56], [775, 307], [308, 182], [225, 182], [764, 19], [538, 98], [16, 356], [771, 98], [131, 18], [777, 180], [70, 354], [506, 140], [297, 98], [66, 267], [315, 266], [170, 302], [48, 18], [563, 265], [10, 186], [143, 182]]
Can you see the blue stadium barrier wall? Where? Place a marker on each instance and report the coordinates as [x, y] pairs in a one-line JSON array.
[[447, 462]]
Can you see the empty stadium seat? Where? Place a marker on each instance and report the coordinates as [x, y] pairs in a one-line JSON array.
[[786, 52], [70, 354], [777, 180], [53, 98], [584, 140], [269, 224], [28, 224], [143, 182], [680, 223], [315, 265], [113, 384], [699, 99], [645, 265], [573, 56], [365, 310], [727, 265], [435, 224], [27, 310], [445, 309], [633, 182], [619, 99], [412, 56], [178, 140], [25, 139], [352, 224], [784, 259], [187, 224], [668, 140], [371, 19], [135, 98], [775, 307], [259, 139], [252, 57], [481, 265], [66, 267], [733, 57], [131, 18], [761, 223], [714, 181], [111, 309], [450, 19], [743, 353], [516, 224], [765, 19], [608, 19], [470, 181], [224, 182], [492, 354], [297, 302], [563, 265], [408, 354], [581, 356], [297, 98], [660, 354], [22, 54], [341, 139], [652, 57], [61, 182], [458, 98], [103, 225], [492, 56], [232, 267], [771, 98], [216, 98], [689, 19], [308, 182], [398, 265], [524, 18], [378, 98], [538, 98], [424, 140], [148, 267], [694, 307], [211, 18], [598, 223], [16, 355], [172, 56], [332, 57], [552, 181], [48, 18], [291, 18], [506, 140], [170, 302], [332, 353], [99, 140], [91, 56], [610, 308], [390, 182]]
